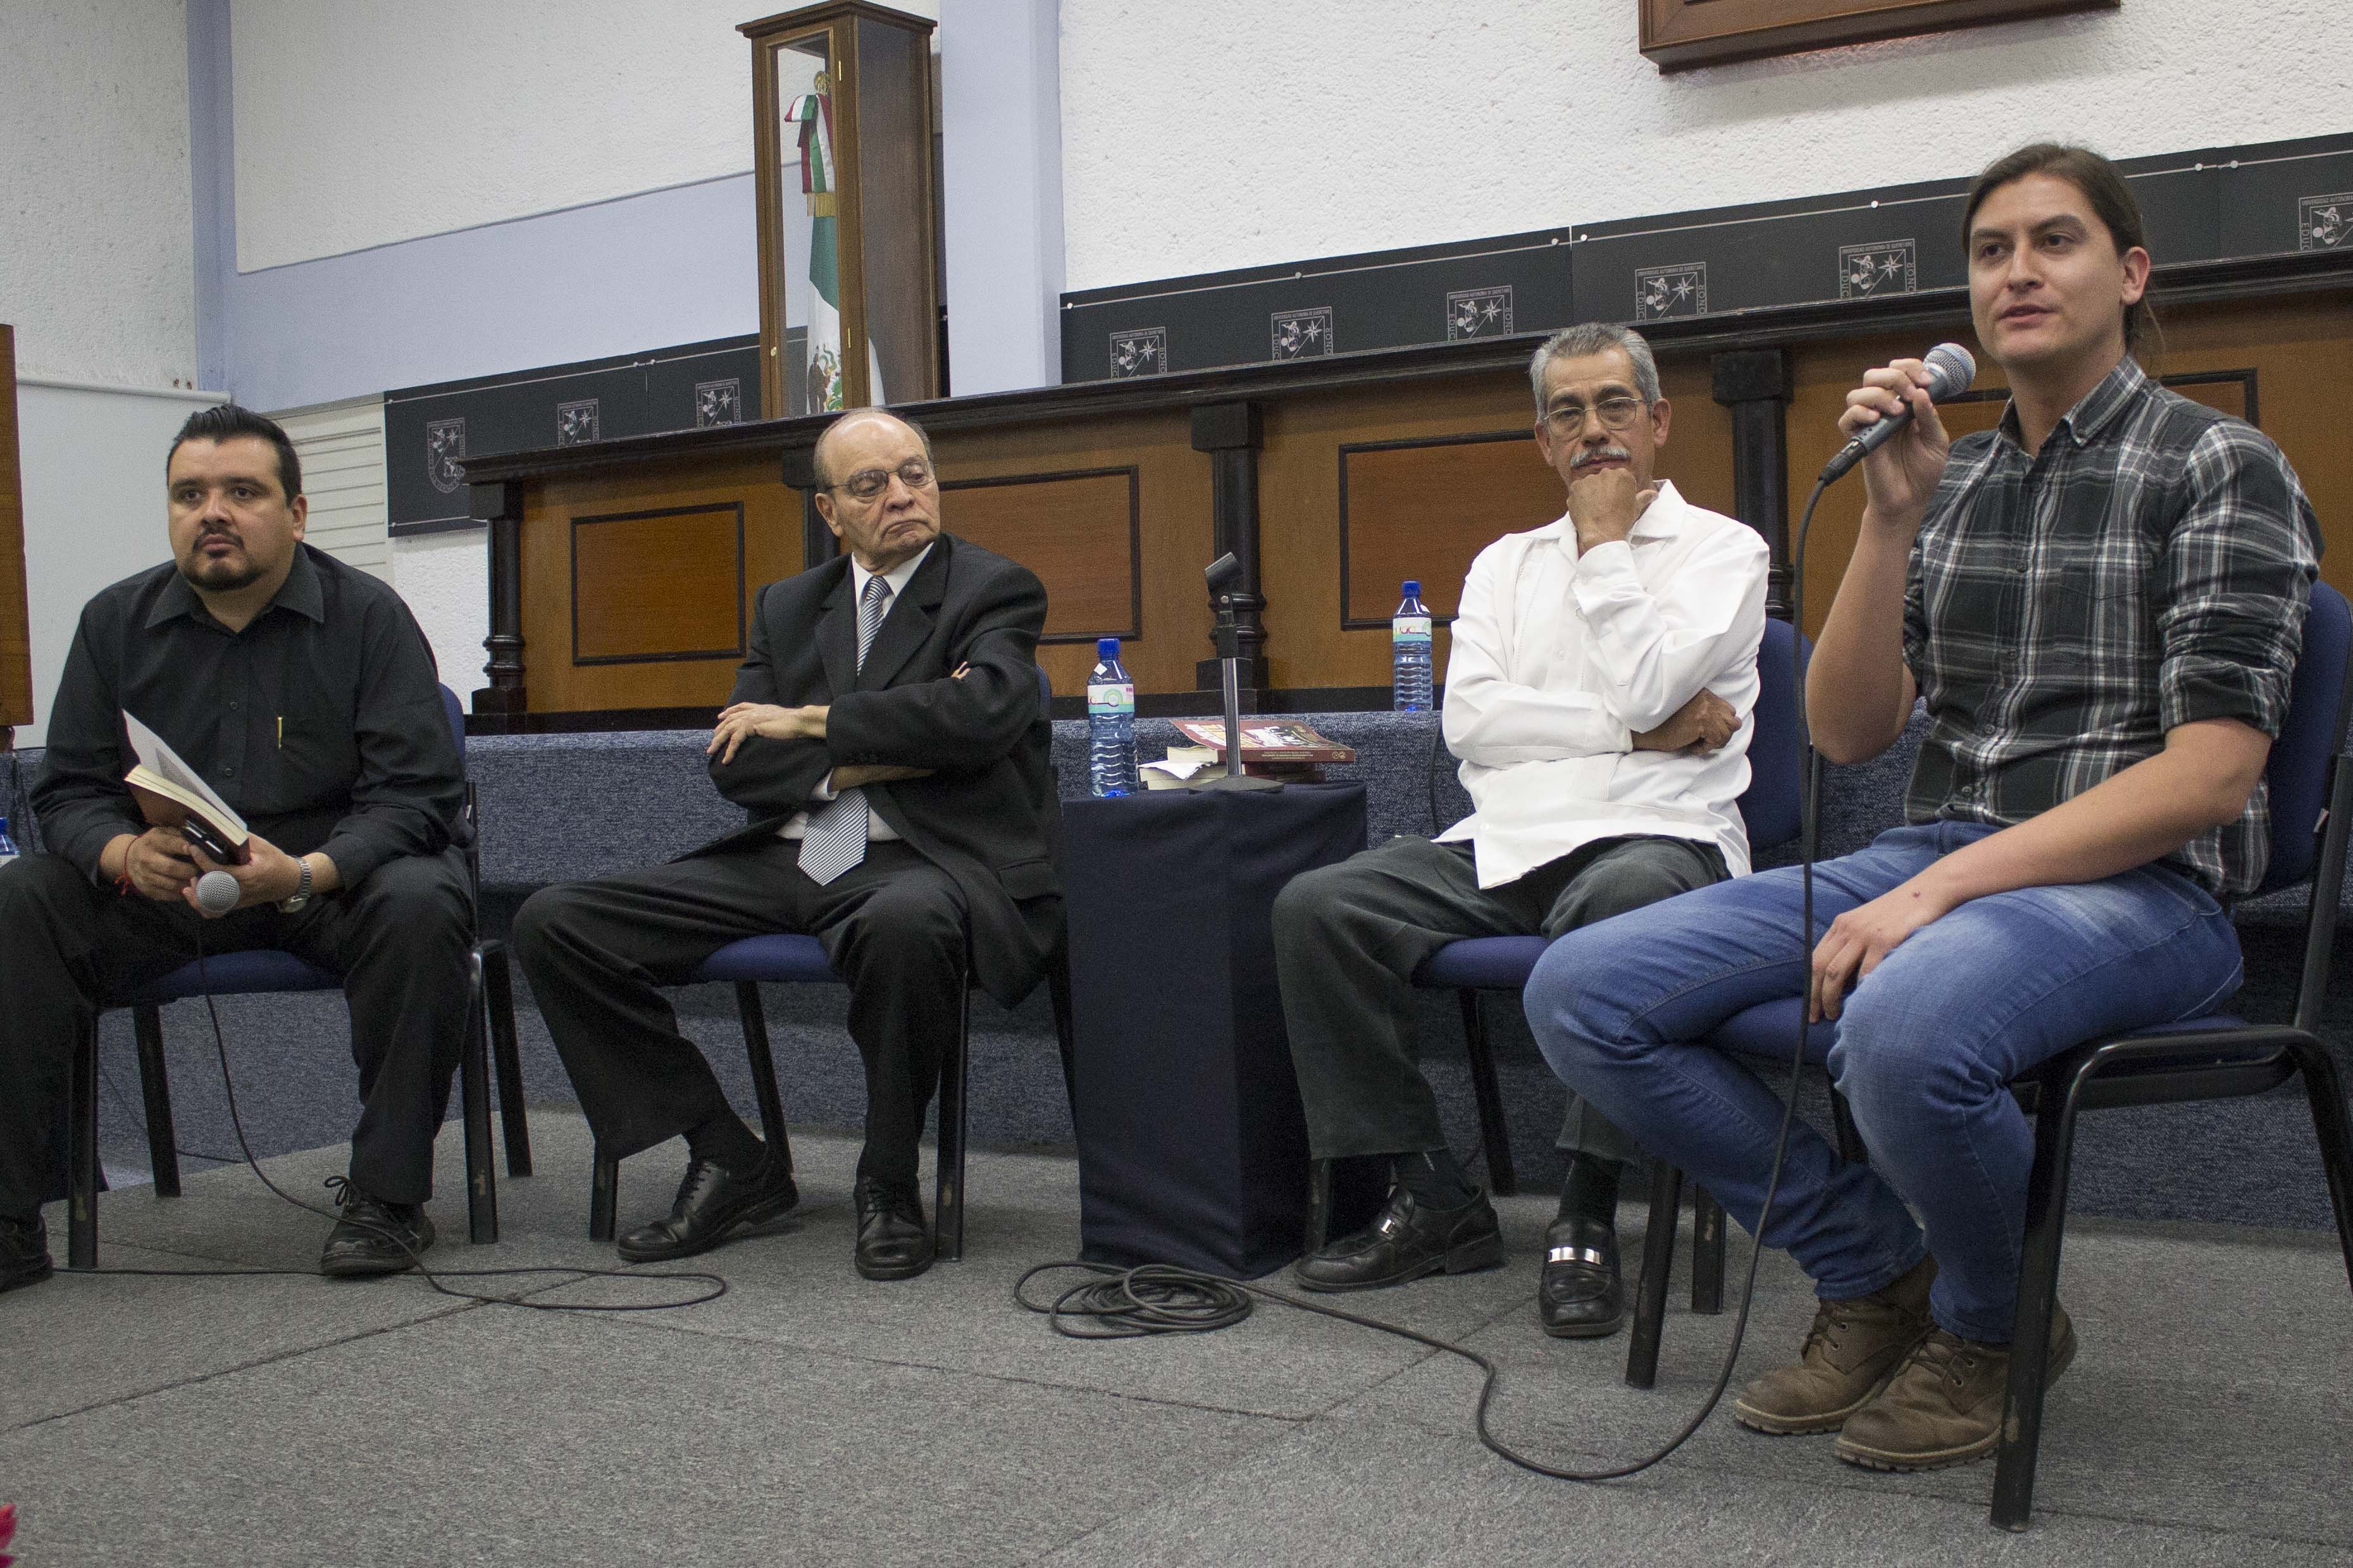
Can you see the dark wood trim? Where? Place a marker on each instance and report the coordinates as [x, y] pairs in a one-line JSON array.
[[2245, 378], [1134, 628], [734, 508], [430, 525], [1754, 385], [15, 598], [1931, 313], [498, 503], [1349, 619], [1677, 35], [1232, 435], [818, 544]]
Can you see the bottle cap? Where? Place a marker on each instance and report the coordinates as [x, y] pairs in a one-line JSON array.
[[1413, 587], [1106, 648]]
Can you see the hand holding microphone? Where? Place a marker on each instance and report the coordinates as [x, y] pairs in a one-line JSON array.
[[1891, 399]]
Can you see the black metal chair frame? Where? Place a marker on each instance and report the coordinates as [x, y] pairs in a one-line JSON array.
[[490, 1002]]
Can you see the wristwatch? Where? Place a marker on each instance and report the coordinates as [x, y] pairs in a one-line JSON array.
[[301, 890]]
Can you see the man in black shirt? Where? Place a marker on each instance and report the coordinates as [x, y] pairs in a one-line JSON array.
[[303, 693]]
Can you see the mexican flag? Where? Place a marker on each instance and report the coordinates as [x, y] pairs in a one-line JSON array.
[[813, 112]]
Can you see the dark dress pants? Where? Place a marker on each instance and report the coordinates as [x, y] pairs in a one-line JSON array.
[[1348, 940], [399, 940], [598, 952]]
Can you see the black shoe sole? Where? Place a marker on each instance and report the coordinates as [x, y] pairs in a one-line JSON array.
[[895, 1271], [1598, 1331], [759, 1211], [32, 1275], [363, 1268], [1466, 1258]]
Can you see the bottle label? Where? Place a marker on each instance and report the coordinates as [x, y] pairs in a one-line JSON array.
[[1110, 697], [1409, 629]]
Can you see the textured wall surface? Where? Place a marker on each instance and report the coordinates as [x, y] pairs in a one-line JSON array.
[[445, 577], [370, 122], [97, 263], [1232, 134]]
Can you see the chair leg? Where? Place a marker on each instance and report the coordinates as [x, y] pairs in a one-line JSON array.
[[514, 1124], [1493, 1133], [1850, 1137], [1058, 988], [2038, 1296], [1658, 1267], [155, 1089], [1319, 1207], [1707, 1253], [947, 1199], [764, 1069], [2325, 1087], [81, 1209], [604, 1195], [474, 1109]]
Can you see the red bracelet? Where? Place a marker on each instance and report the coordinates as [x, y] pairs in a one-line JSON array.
[[122, 889]]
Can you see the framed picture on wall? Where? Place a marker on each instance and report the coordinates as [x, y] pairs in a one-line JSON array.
[[1677, 35]]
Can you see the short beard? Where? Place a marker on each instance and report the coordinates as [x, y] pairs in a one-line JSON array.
[[223, 580]]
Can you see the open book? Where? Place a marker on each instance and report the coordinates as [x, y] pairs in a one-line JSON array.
[[170, 794], [1268, 741]]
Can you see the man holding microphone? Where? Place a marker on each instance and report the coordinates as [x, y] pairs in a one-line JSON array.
[[2101, 601]]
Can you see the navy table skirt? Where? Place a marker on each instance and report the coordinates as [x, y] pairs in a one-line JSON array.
[[1191, 1146]]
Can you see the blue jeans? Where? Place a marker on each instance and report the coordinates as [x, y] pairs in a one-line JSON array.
[[1923, 1051]]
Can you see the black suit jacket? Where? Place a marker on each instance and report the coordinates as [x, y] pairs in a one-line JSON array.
[[988, 813]]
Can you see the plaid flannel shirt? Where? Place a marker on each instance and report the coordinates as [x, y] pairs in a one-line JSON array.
[[2150, 567]]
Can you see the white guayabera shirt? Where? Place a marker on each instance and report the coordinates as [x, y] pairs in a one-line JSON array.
[[1559, 660]]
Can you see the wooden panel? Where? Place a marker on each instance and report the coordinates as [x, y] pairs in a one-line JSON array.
[[661, 584], [1299, 499], [1080, 532], [15, 633], [1679, 34], [1484, 485], [1172, 533], [772, 549], [2278, 361]]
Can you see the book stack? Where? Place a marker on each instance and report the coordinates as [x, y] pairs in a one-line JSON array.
[[1281, 749]]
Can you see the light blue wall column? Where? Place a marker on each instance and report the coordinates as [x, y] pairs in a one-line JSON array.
[[212, 169], [1001, 129]]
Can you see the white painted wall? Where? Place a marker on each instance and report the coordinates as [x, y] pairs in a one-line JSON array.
[[1223, 134], [445, 578], [97, 255], [93, 475]]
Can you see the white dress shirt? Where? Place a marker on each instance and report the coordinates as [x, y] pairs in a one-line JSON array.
[[1560, 659], [877, 830]]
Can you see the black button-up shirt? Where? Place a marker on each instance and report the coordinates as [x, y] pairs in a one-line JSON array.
[[320, 723], [2150, 567]]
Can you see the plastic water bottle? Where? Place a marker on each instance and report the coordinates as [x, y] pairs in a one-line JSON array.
[[1409, 653], [1111, 723]]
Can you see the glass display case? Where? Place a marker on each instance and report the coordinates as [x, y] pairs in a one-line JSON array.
[[841, 97]]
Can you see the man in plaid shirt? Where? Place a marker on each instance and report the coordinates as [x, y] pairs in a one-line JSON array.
[[2101, 602]]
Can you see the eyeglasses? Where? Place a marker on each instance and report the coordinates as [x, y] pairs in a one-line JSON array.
[[1616, 414], [868, 483]]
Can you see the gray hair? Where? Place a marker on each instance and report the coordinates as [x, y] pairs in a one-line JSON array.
[[1593, 338]]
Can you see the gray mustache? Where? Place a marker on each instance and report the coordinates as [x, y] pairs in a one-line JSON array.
[[1601, 454]]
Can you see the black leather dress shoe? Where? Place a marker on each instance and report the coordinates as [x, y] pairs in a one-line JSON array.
[[1582, 1296], [373, 1237], [892, 1241], [1405, 1242], [711, 1201], [24, 1252]]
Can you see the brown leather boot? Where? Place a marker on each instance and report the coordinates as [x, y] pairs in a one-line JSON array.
[[1943, 1406], [1853, 1348]]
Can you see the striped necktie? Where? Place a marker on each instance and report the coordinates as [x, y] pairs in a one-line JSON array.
[[835, 839]]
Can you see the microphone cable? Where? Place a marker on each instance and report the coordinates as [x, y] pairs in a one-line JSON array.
[[717, 1285], [1163, 1299]]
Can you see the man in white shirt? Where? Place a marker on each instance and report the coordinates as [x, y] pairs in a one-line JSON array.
[[1598, 695]]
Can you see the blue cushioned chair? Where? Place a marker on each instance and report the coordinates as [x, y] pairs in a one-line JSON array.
[[1771, 809], [489, 1012], [787, 958], [2215, 1058]]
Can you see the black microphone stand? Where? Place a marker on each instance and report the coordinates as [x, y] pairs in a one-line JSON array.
[[1222, 574]]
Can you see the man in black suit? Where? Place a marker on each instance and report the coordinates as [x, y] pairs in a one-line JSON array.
[[886, 740]]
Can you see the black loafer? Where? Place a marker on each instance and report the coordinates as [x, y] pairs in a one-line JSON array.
[[711, 1201], [893, 1243], [1582, 1296], [373, 1237], [1405, 1242], [24, 1252]]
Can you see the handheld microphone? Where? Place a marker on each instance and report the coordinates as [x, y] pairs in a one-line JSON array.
[[218, 892], [1951, 371]]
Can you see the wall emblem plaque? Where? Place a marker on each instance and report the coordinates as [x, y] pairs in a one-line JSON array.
[[445, 454], [575, 422], [1298, 334], [718, 402], [1677, 291], [1143, 350], [2324, 222], [1890, 267], [1479, 313]]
